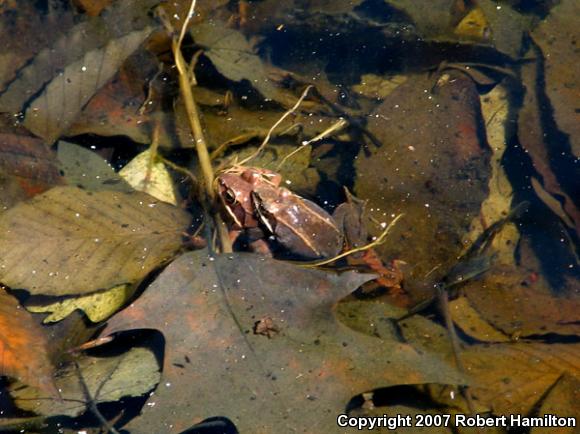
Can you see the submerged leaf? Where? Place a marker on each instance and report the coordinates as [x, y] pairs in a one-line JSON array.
[[119, 20], [151, 177], [517, 391], [27, 168], [254, 336], [59, 104], [233, 56], [72, 241], [85, 169], [557, 37], [98, 306], [24, 347], [432, 167], [107, 379]]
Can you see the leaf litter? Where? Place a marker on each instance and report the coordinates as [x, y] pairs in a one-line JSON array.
[[444, 147]]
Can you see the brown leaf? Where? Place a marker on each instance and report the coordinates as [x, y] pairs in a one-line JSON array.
[[519, 302], [562, 400], [533, 138], [432, 167], [72, 241], [57, 107], [557, 37], [23, 347], [511, 378], [248, 336], [27, 166]]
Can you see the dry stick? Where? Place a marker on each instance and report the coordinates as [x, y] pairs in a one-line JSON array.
[[444, 305], [208, 194]]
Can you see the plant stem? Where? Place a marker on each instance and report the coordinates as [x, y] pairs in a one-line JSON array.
[[207, 193]]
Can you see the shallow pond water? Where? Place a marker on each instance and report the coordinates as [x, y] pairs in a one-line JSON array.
[[258, 216]]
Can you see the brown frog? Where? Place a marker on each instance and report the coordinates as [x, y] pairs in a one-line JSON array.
[[254, 199]]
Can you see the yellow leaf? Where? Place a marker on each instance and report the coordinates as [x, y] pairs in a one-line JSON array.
[[474, 26], [149, 177], [97, 306]]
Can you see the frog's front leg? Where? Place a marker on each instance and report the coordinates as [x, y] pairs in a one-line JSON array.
[[254, 240]]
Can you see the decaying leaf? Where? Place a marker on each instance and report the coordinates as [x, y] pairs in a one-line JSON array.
[[98, 306], [557, 37], [495, 109], [516, 391], [257, 336], [24, 347], [507, 27], [56, 108], [151, 177], [519, 302], [87, 170], [71, 241], [233, 56], [27, 167], [87, 36], [374, 86], [472, 324], [432, 166], [544, 153], [563, 400], [107, 379]]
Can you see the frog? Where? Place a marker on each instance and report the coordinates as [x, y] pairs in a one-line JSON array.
[[255, 201]]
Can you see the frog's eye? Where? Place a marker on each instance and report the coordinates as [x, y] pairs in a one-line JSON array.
[[230, 197]]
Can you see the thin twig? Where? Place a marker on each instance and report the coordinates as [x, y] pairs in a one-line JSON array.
[[329, 131], [278, 122], [179, 169], [380, 240], [444, 306], [91, 402]]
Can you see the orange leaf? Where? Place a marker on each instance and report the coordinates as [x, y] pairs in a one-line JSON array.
[[23, 346]]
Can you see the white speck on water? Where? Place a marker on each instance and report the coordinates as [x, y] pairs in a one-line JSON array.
[[77, 215], [83, 68]]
